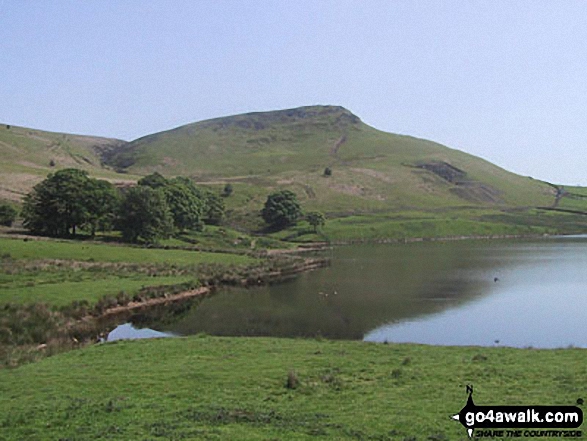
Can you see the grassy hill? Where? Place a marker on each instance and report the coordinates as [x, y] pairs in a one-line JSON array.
[[372, 170], [382, 185], [291, 148], [27, 155]]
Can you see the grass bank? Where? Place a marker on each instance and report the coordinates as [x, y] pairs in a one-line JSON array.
[[263, 388], [53, 293], [434, 224], [92, 252]]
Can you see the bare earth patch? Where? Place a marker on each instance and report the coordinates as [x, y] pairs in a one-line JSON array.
[[374, 174]]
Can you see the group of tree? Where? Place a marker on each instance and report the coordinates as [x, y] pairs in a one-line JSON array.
[[282, 210], [159, 206], [68, 201]]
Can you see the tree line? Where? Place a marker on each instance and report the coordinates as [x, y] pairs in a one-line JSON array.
[[68, 202]]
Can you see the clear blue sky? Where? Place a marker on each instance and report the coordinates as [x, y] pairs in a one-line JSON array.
[[504, 80]]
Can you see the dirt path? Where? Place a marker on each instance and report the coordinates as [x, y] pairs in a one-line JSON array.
[[336, 146]]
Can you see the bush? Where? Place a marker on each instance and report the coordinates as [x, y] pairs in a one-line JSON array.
[[7, 215], [292, 380], [316, 220]]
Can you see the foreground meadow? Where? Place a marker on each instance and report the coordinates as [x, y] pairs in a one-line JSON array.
[[266, 388]]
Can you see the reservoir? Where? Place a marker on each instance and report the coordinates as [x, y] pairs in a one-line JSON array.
[[520, 293]]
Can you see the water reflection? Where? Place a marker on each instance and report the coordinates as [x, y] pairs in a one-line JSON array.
[[366, 286], [128, 331], [438, 293], [539, 301]]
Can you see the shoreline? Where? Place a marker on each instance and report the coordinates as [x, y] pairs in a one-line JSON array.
[[444, 239], [203, 291], [266, 278]]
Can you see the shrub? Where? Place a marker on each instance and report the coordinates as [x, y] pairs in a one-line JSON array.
[[292, 380], [7, 215]]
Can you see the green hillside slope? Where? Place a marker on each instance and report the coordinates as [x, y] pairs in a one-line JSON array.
[[372, 170], [381, 185], [28, 155]]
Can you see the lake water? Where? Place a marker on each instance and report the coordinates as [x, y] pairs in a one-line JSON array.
[[510, 293]]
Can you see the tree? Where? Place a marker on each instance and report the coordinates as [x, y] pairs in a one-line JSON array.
[[154, 180], [144, 215], [214, 208], [7, 215], [186, 207], [190, 205], [212, 205], [103, 200], [316, 219], [281, 209], [62, 203], [327, 171]]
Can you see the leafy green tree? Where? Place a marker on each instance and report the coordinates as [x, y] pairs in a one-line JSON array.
[[144, 215], [7, 215], [281, 209], [190, 205], [316, 219], [214, 208], [187, 208], [103, 200], [62, 203], [212, 205], [154, 180]]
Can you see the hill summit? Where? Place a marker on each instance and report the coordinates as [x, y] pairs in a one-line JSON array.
[[371, 169], [228, 137]]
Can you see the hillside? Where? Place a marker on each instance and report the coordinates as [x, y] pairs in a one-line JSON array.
[[26, 156], [372, 170], [381, 185]]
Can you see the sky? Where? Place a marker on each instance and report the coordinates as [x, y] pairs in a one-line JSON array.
[[503, 80]]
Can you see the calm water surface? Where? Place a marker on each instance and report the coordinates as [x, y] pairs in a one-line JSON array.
[[436, 293]]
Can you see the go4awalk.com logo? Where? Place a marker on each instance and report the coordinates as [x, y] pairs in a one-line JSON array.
[[519, 421]]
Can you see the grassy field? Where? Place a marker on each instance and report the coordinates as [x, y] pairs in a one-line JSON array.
[[444, 223], [52, 292], [85, 285], [236, 388], [225, 239], [72, 250], [60, 272]]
